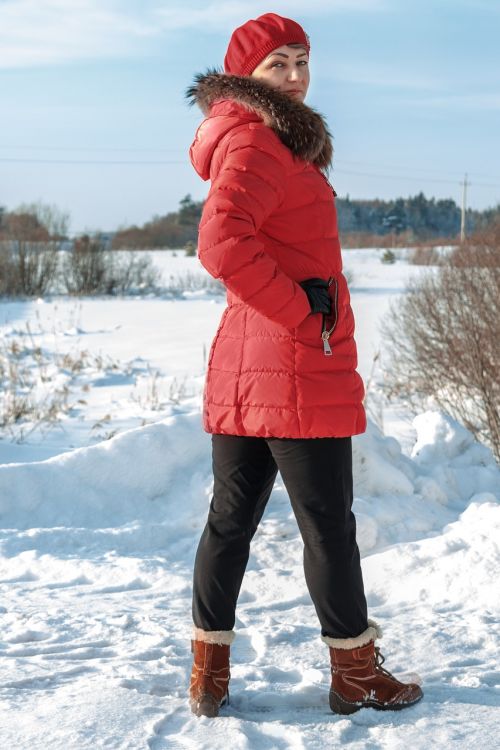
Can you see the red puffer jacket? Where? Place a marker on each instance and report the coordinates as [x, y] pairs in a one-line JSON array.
[[268, 223]]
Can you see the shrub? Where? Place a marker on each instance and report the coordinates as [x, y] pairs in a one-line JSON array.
[[31, 239], [425, 256], [85, 267], [193, 281], [135, 273], [91, 268], [388, 257], [8, 271], [444, 338]]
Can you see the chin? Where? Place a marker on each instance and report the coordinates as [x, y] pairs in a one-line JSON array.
[[298, 97]]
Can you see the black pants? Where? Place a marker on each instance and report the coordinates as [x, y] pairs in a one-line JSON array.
[[317, 474]]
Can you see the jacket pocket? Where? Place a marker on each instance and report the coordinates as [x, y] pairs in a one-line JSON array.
[[330, 322], [217, 334]]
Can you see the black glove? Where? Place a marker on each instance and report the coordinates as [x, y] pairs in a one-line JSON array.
[[317, 294]]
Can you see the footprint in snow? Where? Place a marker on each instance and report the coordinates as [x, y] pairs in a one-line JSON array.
[[134, 585], [249, 647]]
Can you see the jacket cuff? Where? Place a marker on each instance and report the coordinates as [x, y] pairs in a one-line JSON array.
[[294, 313]]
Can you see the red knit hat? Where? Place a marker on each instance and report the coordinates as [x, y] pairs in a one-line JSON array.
[[252, 42]]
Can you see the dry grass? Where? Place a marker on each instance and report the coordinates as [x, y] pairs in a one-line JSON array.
[[392, 240], [154, 392], [38, 386], [425, 255]]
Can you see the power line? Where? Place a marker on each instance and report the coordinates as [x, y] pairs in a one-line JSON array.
[[407, 168], [394, 177], [184, 162], [413, 179], [90, 148], [413, 168], [160, 149], [156, 162]]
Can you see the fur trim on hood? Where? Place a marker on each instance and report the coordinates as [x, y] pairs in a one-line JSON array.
[[299, 127]]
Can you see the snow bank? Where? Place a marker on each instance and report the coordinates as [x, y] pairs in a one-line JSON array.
[[151, 473], [160, 473], [460, 565], [402, 499], [96, 553]]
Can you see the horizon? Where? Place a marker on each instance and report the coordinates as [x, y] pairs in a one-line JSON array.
[[111, 232], [97, 124]]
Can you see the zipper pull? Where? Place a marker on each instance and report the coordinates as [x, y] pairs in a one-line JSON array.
[[326, 345]]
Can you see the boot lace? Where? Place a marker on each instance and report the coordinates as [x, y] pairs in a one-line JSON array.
[[379, 660]]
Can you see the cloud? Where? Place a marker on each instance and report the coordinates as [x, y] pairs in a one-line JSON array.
[[56, 31], [484, 102], [384, 76], [52, 32], [224, 13]]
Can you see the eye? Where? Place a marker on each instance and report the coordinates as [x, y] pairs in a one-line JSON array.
[[303, 62]]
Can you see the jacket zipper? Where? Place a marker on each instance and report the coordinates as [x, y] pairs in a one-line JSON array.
[[328, 183], [327, 332]]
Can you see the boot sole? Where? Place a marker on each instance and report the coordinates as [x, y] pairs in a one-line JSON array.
[[208, 706], [340, 706]]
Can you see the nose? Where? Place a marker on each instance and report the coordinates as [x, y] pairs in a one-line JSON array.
[[295, 74]]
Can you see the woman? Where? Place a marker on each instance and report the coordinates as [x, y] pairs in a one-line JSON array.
[[282, 392]]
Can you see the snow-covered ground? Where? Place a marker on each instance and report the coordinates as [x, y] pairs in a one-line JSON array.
[[100, 517]]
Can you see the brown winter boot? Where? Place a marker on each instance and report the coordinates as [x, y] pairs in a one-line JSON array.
[[210, 674], [359, 681]]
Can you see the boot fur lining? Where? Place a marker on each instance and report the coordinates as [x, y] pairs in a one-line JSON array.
[[220, 637], [372, 632]]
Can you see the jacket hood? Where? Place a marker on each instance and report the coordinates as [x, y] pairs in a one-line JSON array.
[[225, 116], [299, 127]]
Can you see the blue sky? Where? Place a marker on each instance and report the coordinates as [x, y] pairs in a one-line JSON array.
[[93, 117]]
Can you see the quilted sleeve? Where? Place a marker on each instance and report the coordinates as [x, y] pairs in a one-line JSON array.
[[248, 188]]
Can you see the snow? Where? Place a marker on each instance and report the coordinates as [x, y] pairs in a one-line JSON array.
[[99, 527]]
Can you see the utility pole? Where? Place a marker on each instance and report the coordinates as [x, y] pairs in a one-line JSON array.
[[464, 207]]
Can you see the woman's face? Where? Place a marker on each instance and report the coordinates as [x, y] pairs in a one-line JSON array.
[[287, 69]]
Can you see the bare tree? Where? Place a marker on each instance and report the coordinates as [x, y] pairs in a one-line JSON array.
[[444, 338], [85, 268], [91, 268], [30, 241]]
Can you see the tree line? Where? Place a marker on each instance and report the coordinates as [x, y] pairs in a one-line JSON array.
[[403, 220], [37, 258]]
